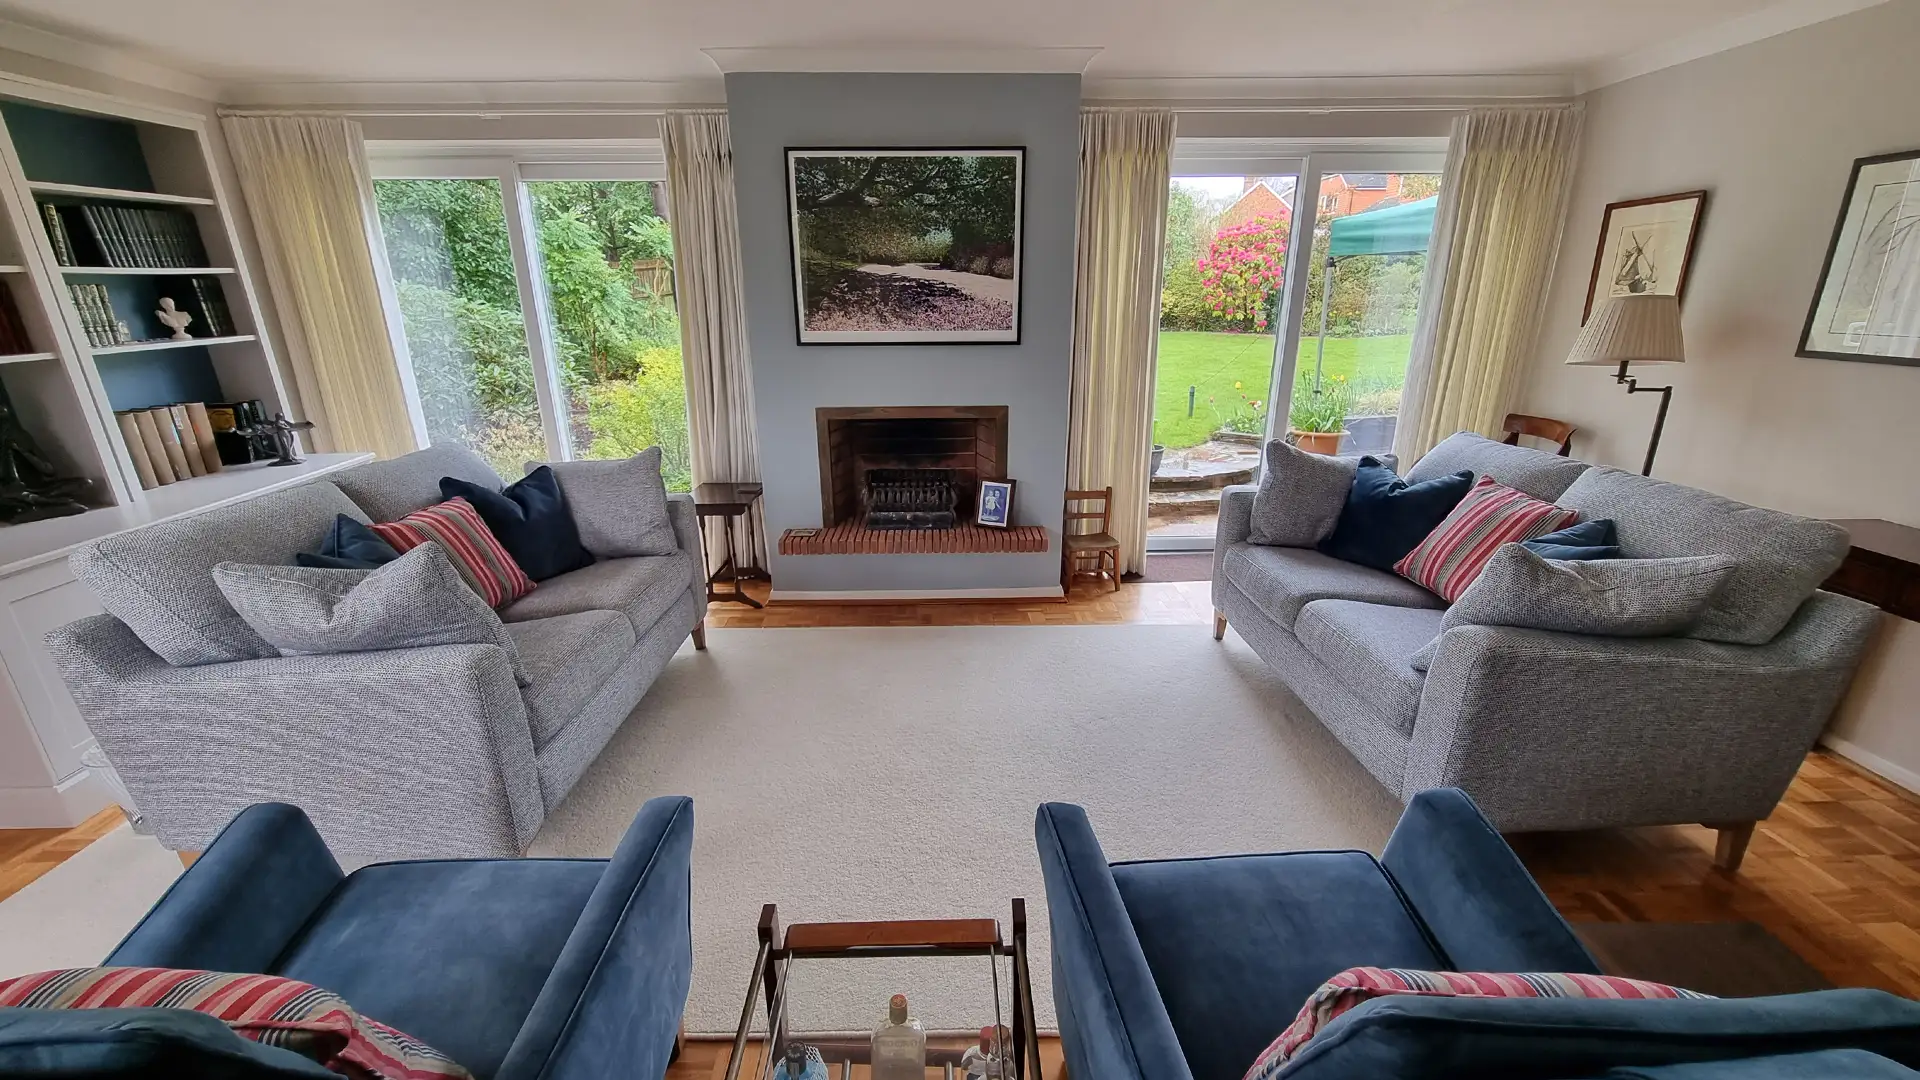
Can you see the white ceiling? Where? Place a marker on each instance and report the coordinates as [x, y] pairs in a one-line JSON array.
[[251, 42]]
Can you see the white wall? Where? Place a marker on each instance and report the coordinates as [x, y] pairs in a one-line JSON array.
[[1771, 130]]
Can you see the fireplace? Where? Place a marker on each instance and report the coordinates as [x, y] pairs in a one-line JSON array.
[[907, 466]]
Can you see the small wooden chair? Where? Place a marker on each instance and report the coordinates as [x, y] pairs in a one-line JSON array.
[[1100, 544], [1539, 427]]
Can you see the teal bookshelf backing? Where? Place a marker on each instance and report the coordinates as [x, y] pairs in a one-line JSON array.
[[143, 380], [67, 148]]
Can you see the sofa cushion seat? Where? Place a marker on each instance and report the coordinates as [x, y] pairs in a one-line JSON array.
[[1370, 647], [640, 588], [1284, 580], [452, 953], [567, 659], [1236, 944]]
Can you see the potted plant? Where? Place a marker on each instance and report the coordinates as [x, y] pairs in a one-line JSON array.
[[1317, 419]]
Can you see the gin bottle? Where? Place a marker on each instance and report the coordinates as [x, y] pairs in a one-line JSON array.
[[899, 1045]]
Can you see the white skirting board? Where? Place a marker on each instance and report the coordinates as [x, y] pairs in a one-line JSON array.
[[1026, 593], [1873, 763]]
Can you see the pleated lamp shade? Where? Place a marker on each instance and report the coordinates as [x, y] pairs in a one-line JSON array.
[[1642, 329]]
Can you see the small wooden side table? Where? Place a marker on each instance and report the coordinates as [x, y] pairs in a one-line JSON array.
[[1883, 567], [726, 502]]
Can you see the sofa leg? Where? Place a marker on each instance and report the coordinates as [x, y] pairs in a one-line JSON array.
[[1219, 625], [679, 1043], [1731, 847], [700, 635]]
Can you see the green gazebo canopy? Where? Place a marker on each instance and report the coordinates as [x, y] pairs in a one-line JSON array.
[[1391, 230]]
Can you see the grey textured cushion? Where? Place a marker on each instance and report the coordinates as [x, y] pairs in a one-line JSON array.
[[1780, 558], [1540, 474], [390, 490], [1369, 647], [568, 657], [1607, 597], [158, 579], [414, 601], [1300, 496], [1284, 580], [620, 507], [640, 589]]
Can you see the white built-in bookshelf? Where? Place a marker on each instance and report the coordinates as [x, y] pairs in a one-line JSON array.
[[83, 154]]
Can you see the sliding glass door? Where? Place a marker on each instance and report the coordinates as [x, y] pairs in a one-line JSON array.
[[537, 302], [1290, 290]]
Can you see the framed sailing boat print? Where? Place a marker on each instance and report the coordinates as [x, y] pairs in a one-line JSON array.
[[1646, 246]]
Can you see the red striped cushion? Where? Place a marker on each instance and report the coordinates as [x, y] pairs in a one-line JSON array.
[[1356, 986], [1455, 552], [286, 1013], [456, 526]]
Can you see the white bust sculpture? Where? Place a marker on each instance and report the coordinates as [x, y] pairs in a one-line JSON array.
[[174, 319]]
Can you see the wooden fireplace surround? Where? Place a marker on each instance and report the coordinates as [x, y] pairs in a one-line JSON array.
[[971, 440]]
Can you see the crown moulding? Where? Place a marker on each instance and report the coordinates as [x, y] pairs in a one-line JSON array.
[[886, 59]]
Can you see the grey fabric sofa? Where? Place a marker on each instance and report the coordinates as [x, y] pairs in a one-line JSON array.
[[1564, 731], [401, 753]]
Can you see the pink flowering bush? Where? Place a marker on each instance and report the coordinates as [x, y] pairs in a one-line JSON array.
[[1243, 267]]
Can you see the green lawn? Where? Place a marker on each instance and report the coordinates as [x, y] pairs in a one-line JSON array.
[[1214, 362]]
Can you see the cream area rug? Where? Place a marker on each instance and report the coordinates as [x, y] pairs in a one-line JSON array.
[[893, 773]]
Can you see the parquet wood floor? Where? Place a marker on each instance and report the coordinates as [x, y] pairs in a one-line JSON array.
[[1834, 873]]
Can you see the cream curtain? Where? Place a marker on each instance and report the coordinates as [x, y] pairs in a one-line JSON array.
[[310, 195], [1126, 161], [713, 315], [1503, 202]]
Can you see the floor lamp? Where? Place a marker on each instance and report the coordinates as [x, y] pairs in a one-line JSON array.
[[1640, 329]]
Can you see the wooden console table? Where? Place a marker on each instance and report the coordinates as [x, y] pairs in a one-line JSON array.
[[726, 502], [1883, 568]]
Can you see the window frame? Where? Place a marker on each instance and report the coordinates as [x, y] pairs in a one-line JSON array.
[[1308, 160], [513, 165]]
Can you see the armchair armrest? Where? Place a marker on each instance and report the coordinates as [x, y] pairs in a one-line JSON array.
[[686, 524], [1482, 906], [1569, 731], [405, 752], [612, 1004], [236, 908], [1113, 1024]]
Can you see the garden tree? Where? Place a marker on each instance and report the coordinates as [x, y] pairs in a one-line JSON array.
[[1243, 271], [1417, 186], [948, 208], [459, 300]]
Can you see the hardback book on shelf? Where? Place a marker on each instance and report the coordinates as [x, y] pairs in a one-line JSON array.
[[211, 303], [156, 450], [136, 237], [57, 235], [171, 445], [138, 451], [102, 326], [13, 332]]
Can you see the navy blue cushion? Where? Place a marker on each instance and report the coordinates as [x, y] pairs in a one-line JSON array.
[[138, 1044], [1431, 1038], [1236, 944], [452, 953], [1587, 540], [530, 519], [1385, 517], [350, 545]]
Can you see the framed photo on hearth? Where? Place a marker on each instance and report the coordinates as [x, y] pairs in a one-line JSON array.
[[906, 246], [1867, 305], [994, 507], [1646, 246]]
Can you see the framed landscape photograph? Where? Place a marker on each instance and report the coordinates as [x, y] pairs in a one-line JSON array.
[[1867, 305], [1646, 246], [906, 246]]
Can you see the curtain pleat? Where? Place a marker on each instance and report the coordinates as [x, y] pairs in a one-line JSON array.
[[1496, 234], [309, 193], [713, 320], [1126, 161]]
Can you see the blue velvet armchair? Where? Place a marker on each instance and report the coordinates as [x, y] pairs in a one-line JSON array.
[[561, 969], [1185, 969]]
